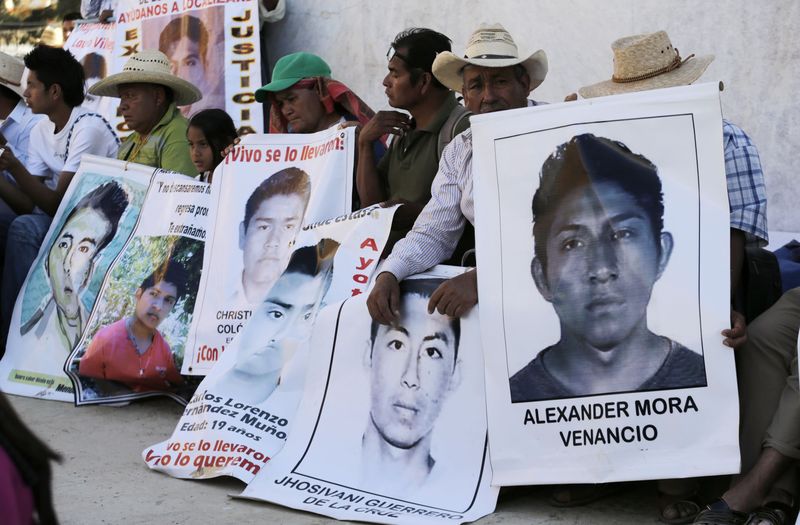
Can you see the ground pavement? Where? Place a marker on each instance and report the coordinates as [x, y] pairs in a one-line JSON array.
[[103, 479]]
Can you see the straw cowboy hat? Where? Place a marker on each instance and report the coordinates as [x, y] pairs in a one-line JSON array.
[[489, 46], [647, 61], [149, 67], [11, 70]]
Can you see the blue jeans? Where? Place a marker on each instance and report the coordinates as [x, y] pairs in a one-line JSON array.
[[25, 236]]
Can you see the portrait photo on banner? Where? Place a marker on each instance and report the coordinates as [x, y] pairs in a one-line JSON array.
[[601, 253], [134, 342], [194, 42], [63, 284], [398, 418]]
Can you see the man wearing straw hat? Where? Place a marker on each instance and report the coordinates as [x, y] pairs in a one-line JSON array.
[[650, 61], [149, 95], [493, 76]]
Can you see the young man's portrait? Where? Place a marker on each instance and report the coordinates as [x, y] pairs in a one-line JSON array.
[[599, 248], [413, 367], [272, 218], [131, 350]]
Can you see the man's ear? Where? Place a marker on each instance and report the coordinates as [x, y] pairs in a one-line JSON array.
[[537, 272], [55, 91], [425, 82], [138, 294], [242, 234], [455, 380], [665, 244], [366, 357]]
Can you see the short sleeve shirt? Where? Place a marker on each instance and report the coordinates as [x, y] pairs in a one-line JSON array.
[[165, 146]]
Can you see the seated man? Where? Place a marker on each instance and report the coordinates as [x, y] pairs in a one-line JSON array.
[[131, 350], [769, 401], [149, 95], [599, 249], [413, 367], [280, 323], [406, 172], [272, 218]]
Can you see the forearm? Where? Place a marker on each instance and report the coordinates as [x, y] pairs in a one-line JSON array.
[[38, 193], [369, 188], [15, 198]]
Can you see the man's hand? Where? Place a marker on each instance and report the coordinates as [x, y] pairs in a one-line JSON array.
[[105, 15], [384, 299], [455, 297], [230, 147], [572, 97], [382, 123], [7, 159], [736, 336]]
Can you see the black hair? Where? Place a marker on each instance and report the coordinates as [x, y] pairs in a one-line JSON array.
[[288, 181], [420, 47], [169, 272], [54, 65], [110, 200], [423, 288], [313, 261], [94, 65], [586, 160], [187, 26], [217, 128], [9, 94]]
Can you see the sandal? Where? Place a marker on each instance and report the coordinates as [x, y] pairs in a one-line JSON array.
[[719, 513], [683, 508], [581, 494], [772, 513]]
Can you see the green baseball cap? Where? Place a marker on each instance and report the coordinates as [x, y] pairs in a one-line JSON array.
[[290, 70]]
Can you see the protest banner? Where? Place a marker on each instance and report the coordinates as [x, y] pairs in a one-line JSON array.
[[133, 344], [244, 409], [603, 308], [391, 427], [261, 194], [92, 44], [92, 224], [213, 45]]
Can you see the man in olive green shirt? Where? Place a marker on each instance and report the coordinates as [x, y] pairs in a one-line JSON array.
[[405, 173], [149, 95]]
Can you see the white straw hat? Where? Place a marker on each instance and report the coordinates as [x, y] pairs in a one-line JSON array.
[[489, 46], [11, 70], [647, 61], [149, 67]]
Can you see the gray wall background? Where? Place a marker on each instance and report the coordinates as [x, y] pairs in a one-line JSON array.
[[756, 47]]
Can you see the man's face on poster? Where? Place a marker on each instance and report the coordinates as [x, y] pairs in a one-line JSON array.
[[267, 240], [154, 304], [70, 260], [187, 62], [603, 259], [412, 370], [282, 320]]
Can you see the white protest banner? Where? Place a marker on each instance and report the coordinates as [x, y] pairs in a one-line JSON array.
[[601, 311], [133, 344], [244, 409], [92, 44], [262, 192], [392, 424], [212, 44], [92, 224]]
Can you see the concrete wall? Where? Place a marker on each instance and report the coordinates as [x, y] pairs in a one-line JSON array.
[[757, 55]]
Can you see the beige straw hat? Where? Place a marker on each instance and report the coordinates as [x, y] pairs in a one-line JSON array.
[[150, 67], [489, 46], [647, 61], [11, 70]]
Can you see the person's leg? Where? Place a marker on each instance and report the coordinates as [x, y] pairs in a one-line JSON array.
[[770, 407], [7, 216], [25, 236]]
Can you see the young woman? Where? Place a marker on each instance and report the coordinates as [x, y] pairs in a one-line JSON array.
[[210, 131]]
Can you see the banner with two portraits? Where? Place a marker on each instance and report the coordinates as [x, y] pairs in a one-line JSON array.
[[244, 410], [602, 240], [391, 427]]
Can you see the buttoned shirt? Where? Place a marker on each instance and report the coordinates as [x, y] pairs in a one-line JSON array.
[[16, 128], [166, 146], [747, 193]]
